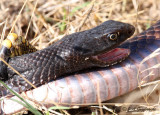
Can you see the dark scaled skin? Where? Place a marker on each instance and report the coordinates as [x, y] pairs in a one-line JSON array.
[[70, 54]]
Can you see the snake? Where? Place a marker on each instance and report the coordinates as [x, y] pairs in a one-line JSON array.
[[102, 83], [72, 53]]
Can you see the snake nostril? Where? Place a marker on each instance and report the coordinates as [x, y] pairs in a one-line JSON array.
[[130, 32]]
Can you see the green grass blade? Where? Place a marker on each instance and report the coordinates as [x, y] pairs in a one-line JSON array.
[[62, 25], [78, 8], [25, 103], [58, 107]]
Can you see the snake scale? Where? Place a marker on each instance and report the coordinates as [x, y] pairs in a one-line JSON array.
[[70, 54], [107, 82]]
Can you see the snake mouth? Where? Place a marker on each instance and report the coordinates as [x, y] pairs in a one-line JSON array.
[[114, 56]]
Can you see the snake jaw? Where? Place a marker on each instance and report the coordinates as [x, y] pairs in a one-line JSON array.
[[113, 57]]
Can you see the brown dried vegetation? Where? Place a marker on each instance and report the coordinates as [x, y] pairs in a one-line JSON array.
[[45, 21]]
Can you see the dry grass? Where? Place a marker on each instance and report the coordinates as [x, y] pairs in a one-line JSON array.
[[52, 19]]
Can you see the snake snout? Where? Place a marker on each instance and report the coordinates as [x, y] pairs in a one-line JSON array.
[[130, 30]]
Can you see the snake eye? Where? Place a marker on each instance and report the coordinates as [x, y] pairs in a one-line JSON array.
[[112, 36]]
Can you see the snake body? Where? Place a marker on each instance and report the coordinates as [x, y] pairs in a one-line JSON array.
[[104, 83], [70, 54]]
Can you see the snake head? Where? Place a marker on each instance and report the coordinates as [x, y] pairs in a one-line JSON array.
[[97, 42], [103, 38]]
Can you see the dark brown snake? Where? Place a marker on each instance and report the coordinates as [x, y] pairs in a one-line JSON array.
[[72, 53], [102, 83]]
